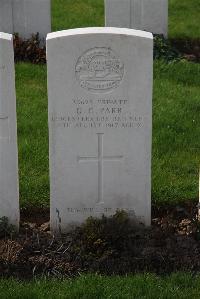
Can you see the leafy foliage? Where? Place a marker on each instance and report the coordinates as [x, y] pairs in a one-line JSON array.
[[5, 227], [163, 49], [30, 50], [33, 49], [101, 237], [189, 47]]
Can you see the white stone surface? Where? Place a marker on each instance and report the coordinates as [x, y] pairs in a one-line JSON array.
[[9, 198], [149, 15], [26, 17], [32, 16], [6, 17], [100, 123]]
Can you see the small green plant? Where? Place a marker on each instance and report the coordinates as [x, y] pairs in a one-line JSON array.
[[164, 50], [5, 227], [29, 50], [107, 235]]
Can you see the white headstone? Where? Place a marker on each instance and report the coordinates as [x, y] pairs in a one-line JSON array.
[[6, 16], [32, 16], [9, 198], [149, 15], [26, 17], [100, 115]]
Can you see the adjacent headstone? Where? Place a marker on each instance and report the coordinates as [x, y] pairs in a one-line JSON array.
[[6, 16], [9, 198], [148, 15], [100, 115], [32, 16], [26, 17]]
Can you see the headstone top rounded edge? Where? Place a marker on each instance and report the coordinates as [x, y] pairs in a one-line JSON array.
[[100, 30], [7, 36]]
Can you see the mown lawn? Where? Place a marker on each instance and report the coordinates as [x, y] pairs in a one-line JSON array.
[[177, 286], [32, 115], [77, 13], [183, 16], [176, 132]]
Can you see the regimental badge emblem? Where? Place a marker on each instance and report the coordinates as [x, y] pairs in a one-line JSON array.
[[99, 70]]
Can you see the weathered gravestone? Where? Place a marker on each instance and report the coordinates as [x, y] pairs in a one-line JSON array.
[[32, 16], [100, 114], [6, 16], [9, 199], [149, 15], [26, 17]]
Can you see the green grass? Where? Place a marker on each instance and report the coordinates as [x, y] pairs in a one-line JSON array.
[[77, 13], [183, 16], [177, 286], [32, 133], [176, 132]]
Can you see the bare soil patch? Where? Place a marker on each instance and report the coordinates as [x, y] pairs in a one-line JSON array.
[[108, 246], [189, 48]]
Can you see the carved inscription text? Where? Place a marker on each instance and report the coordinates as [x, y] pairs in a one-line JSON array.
[[101, 113]]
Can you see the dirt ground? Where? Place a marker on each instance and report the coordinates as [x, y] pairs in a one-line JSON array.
[[108, 246], [190, 49]]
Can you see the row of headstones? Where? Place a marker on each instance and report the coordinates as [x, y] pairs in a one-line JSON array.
[[31, 16], [100, 115]]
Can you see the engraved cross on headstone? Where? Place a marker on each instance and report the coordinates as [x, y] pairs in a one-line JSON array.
[[100, 159]]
